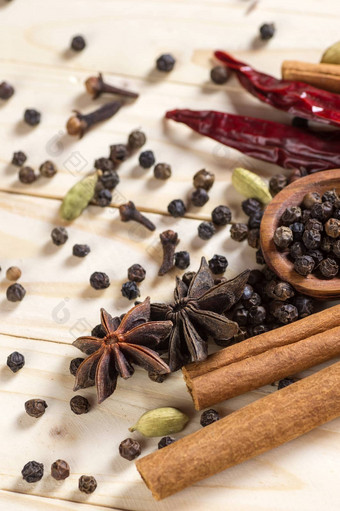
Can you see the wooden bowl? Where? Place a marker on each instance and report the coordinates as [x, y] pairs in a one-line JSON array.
[[278, 261]]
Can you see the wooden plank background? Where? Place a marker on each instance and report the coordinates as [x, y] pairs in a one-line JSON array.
[[124, 39]]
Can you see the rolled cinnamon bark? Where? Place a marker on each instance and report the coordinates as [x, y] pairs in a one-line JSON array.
[[323, 76], [254, 372], [252, 430], [288, 334]]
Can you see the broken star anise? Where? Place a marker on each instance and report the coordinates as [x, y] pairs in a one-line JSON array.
[[126, 342], [196, 314]]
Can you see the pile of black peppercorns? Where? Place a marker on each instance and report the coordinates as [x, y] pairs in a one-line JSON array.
[[310, 233]]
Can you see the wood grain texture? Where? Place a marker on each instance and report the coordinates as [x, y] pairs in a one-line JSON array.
[[278, 260], [124, 39]]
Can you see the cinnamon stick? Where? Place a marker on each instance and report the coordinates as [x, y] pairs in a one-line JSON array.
[[254, 372], [252, 430], [288, 334], [323, 76]]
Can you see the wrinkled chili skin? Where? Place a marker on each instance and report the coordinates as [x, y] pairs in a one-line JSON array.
[[296, 98], [270, 141]]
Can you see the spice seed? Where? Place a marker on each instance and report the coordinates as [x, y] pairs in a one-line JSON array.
[[13, 273], [15, 293], [130, 449], [60, 470], [87, 484], [15, 361], [79, 405], [32, 471], [35, 407]]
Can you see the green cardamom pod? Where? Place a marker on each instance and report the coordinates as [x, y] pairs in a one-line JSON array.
[[251, 185], [78, 197], [161, 422], [332, 54]]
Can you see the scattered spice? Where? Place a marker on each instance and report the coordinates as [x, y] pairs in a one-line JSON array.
[[169, 240], [283, 237], [102, 197], [32, 472], [74, 364], [78, 43], [130, 290], [27, 175], [13, 273], [87, 484], [220, 75], [35, 407], [32, 117], [15, 361], [104, 164], [59, 236], [176, 208], [99, 280], [239, 231], [79, 404], [203, 179], [98, 331], [130, 449], [19, 158], [182, 259], [81, 250], [156, 377], [79, 124], [165, 441], [96, 86], [162, 171], [221, 215], [109, 179], [208, 417], [218, 264], [129, 212], [206, 230], [250, 185], [136, 273], [199, 197], [277, 183], [160, 422], [6, 90], [48, 169], [60, 470], [328, 268], [136, 140], [165, 62], [78, 197], [285, 382], [119, 153], [15, 293], [331, 55], [127, 341], [146, 159], [267, 31]]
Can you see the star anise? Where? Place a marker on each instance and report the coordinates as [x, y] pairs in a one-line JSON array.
[[196, 314], [126, 342]]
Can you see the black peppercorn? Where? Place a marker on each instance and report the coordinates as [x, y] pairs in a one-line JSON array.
[[165, 63], [146, 159], [326, 244], [252, 301], [136, 140], [330, 196], [260, 257], [297, 249], [336, 214], [267, 31], [187, 277], [268, 273], [277, 183], [182, 259], [104, 164], [74, 364], [118, 153], [316, 254], [79, 405], [176, 208], [285, 383], [60, 470], [162, 171], [304, 305], [99, 280], [256, 315], [27, 175], [304, 265], [203, 179], [220, 75], [103, 198], [240, 316], [322, 211], [290, 215], [165, 441], [156, 377], [78, 43], [221, 215], [254, 221], [47, 169], [35, 407], [6, 90], [315, 224], [258, 330], [19, 158], [328, 268], [33, 472], [306, 215], [130, 290], [129, 449], [239, 232], [332, 227], [254, 238], [255, 277], [300, 122], [80, 250], [336, 248], [286, 313], [15, 293], [251, 206], [32, 117], [136, 273], [199, 197], [283, 291], [87, 484], [247, 292], [218, 264], [208, 417], [311, 239], [297, 229], [59, 236], [283, 237], [310, 199], [15, 361], [109, 179], [206, 230]]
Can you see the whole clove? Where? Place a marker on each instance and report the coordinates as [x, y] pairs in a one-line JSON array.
[[79, 124], [96, 86], [129, 212], [169, 240]]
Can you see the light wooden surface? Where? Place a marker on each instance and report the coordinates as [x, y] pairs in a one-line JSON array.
[[124, 38]]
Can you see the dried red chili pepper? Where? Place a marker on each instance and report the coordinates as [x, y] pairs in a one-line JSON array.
[[296, 98], [270, 141]]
